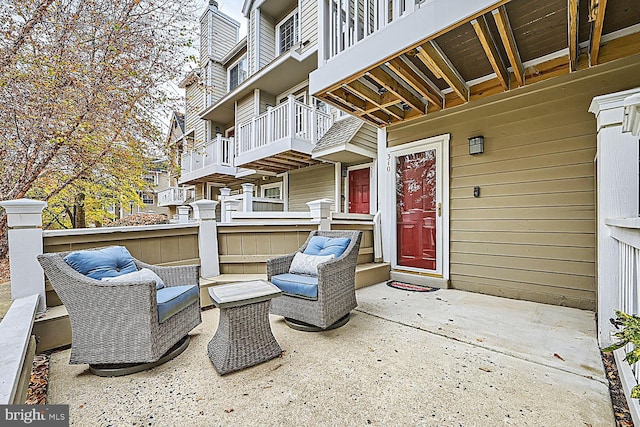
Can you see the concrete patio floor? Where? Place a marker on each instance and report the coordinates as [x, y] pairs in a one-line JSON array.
[[444, 358]]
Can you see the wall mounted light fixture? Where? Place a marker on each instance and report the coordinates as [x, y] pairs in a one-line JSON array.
[[476, 145]]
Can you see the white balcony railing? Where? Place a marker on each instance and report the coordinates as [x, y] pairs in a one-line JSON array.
[[627, 235], [348, 24], [291, 119], [218, 151], [173, 196]]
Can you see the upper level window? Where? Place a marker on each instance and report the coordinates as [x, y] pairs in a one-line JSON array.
[[237, 73], [287, 32]]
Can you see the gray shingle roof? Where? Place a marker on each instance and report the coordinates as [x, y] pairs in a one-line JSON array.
[[340, 133]]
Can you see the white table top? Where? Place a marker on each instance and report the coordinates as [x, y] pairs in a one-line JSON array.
[[243, 293]]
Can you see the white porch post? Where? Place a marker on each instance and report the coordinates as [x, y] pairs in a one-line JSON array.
[[247, 197], [386, 204], [24, 219], [224, 194], [232, 206], [183, 214], [617, 196], [218, 150], [320, 210], [292, 116], [207, 237]]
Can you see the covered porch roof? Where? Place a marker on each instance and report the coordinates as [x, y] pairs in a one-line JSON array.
[[483, 50]]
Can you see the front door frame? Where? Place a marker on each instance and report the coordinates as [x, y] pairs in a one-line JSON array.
[[441, 142]]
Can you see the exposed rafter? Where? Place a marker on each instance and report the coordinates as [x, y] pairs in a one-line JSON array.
[[371, 95], [509, 41], [490, 49], [414, 80], [430, 53], [573, 34], [597, 11], [393, 86]]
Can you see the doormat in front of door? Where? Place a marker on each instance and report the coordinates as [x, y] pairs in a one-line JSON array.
[[410, 287]]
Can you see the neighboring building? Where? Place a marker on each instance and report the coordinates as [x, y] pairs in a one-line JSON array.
[[172, 195], [158, 178], [250, 118], [440, 78]]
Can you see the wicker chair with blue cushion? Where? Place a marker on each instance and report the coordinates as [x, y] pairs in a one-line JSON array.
[[125, 315], [318, 281]]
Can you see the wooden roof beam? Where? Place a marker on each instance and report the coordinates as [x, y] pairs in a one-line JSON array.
[[509, 41], [393, 86], [597, 12], [414, 80], [573, 34], [351, 100], [431, 53], [490, 49], [365, 92]]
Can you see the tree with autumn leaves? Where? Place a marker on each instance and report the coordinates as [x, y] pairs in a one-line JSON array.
[[81, 85]]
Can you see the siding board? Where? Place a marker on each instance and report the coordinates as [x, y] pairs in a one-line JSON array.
[[531, 233], [312, 183]]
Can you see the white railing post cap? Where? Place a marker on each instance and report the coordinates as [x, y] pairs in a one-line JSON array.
[[24, 212], [247, 187], [319, 209], [204, 209], [225, 191]]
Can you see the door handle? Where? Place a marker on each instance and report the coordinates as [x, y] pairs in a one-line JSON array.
[[439, 209]]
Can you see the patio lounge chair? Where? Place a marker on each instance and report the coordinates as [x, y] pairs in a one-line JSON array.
[[124, 325], [319, 301]]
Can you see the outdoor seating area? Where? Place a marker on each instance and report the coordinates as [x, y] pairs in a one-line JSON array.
[[125, 315], [399, 361]]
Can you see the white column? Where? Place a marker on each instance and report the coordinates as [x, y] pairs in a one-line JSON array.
[[207, 237], [183, 214], [232, 206], [24, 219], [386, 202], [617, 197], [337, 172], [320, 211], [292, 116], [224, 193], [218, 150], [247, 197]]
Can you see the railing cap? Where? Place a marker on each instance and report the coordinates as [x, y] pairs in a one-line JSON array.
[[24, 212]]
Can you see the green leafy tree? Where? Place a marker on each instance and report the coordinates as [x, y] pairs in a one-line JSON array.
[[81, 82]]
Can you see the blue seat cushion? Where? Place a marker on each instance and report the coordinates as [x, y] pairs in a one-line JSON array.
[[297, 284], [98, 263], [173, 299], [320, 245]]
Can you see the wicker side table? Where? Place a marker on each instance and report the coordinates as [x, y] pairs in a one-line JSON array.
[[244, 336]]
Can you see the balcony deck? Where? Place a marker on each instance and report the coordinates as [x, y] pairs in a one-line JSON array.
[[397, 60], [441, 358]]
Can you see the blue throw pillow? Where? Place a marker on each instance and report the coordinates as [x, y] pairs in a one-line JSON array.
[[319, 245], [108, 262]]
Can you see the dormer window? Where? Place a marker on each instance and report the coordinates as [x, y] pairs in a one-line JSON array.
[[237, 73], [287, 32]]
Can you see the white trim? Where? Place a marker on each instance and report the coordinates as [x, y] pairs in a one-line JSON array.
[[441, 144], [228, 130], [268, 186], [256, 102], [337, 179], [372, 183], [256, 28], [297, 34]]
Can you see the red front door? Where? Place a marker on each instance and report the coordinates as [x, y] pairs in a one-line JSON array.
[[416, 209], [359, 191]]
